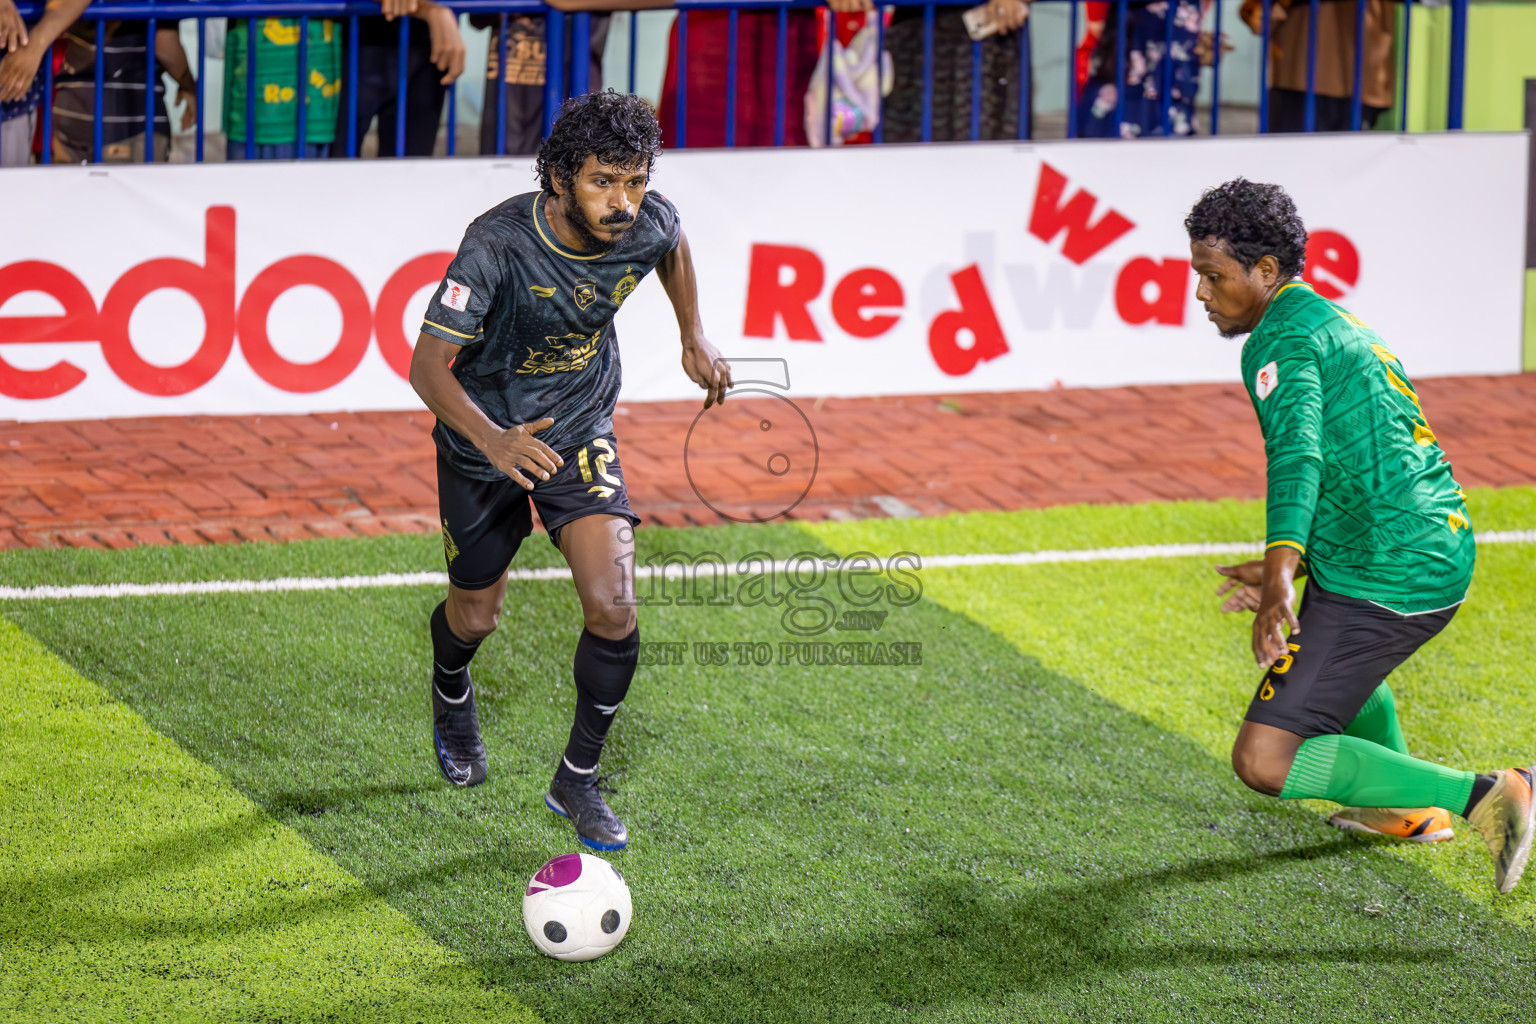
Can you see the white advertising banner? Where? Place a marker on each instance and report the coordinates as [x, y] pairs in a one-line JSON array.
[[297, 287]]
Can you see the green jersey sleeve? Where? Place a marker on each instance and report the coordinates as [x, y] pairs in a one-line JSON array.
[[1286, 388]]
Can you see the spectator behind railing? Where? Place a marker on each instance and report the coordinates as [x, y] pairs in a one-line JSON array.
[[1334, 72], [434, 61], [20, 92], [124, 55], [757, 42], [1159, 58], [853, 85], [951, 95], [277, 72], [522, 96], [1157, 54], [22, 51]]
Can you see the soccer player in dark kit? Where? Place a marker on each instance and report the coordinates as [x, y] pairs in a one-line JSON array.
[[518, 360], [1361, 500]]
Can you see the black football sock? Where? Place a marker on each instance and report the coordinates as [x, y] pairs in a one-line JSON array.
[[604, 669], [450, 657], [1480, 787]]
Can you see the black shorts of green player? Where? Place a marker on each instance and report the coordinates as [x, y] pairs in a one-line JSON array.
[[519, 361], [1361, 499], [1336, 663]]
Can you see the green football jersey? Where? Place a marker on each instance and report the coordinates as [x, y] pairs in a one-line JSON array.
[[277, 72], [1357, 482]]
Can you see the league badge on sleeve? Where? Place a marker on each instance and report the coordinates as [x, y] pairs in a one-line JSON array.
[[455, 295], [1264, 383]]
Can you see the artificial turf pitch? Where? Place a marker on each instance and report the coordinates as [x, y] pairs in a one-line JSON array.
[[226, 808]]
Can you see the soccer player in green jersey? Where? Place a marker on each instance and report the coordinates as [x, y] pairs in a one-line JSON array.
[[1362, 501]]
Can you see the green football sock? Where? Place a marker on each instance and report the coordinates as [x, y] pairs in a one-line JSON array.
[[1377, 721], [1350, 770]]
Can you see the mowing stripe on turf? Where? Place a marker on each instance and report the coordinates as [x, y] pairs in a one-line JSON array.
[[140, 884], [422, 579]]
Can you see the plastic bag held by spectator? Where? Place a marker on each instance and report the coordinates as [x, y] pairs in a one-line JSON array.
[[859, 70]]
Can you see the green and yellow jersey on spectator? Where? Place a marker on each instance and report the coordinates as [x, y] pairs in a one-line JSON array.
[[277, 73]]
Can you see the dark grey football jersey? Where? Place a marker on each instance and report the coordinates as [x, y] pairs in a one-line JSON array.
[[536, 322]]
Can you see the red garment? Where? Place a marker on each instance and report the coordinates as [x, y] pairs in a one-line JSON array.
[[1098, 13], [848, 26], [757, 47], [56, 57]]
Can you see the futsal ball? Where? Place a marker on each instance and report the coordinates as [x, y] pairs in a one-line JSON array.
[[576, 907]]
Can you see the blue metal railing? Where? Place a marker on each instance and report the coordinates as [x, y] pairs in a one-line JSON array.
[[567, 71]]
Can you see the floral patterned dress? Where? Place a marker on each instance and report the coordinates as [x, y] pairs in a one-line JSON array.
[[1159, 59]]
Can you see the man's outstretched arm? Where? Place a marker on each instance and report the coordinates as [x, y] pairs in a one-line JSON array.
[[20, 61], [1291, 415], [511, 450], [701, 360]]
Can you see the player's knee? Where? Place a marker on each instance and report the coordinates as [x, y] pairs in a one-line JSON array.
[[1260, 773], [475, 620], [613, 622]]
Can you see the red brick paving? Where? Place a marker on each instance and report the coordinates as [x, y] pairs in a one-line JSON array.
[[204, 479]]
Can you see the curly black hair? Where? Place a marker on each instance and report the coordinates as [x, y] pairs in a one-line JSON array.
[[619, 129], [1253, 220]]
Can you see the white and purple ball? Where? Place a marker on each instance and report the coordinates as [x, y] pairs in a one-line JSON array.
[[576, 907]]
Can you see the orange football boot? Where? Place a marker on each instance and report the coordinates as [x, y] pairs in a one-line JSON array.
[[1418, 825]]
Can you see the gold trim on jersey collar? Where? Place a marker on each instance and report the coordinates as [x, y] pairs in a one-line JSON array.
[[1276, 297], [538, 214]]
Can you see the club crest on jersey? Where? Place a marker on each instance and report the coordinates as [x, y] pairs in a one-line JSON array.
[[1264, 383], [585, 292], [626, 285], [455, 295], [562, 356]]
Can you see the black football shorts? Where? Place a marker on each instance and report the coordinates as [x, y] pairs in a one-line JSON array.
[[485, 521], [1345, 649]]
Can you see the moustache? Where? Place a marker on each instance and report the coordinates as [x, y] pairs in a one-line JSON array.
[[618, 217]]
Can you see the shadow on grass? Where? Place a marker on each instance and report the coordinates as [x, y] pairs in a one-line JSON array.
[[74, 902], [961, 942], [965, 944], [43, 893], [1001, 763], [285, 805]]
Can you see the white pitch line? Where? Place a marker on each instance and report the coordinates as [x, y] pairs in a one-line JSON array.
[[1126, 554], [1507, 537], [288, 584]]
